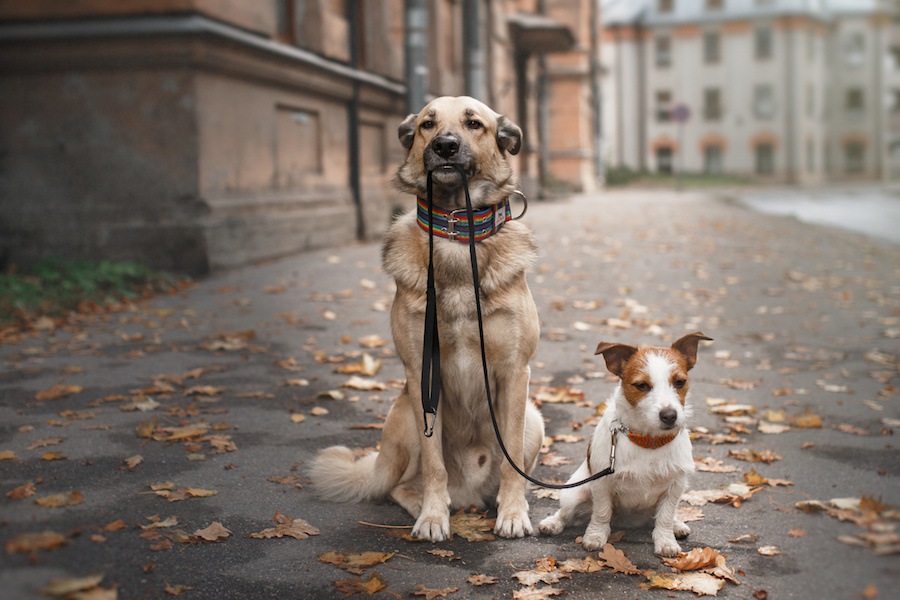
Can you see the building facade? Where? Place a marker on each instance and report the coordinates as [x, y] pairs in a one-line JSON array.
[[201, 134], [783, 90]]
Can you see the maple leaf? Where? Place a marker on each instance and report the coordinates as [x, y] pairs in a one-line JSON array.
[[617, 561], [474, 527], [61, 500], [713, 465], [749, 455], [26, 490], [479, 580], [431, 594], [535, 576], [287, 526], [366, 366], [44, 442], [588, 564], [215, 532], [368, 587], [32, 542], [362, 383], [558, 395], [689, 514], [132, 462]]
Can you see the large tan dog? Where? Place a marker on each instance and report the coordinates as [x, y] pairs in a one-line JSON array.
[[461, 464]]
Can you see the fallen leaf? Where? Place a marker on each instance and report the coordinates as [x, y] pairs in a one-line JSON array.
[[588, 564], [552, 459], [368, 587], [355, 563], [286, 526], [26, 490], [806, 420], [50, 456], [8, 455], [132, 462], [703, 584], [361, 383], [176, 590], [44, 442], [215, 532], [713, 465], [533, 577], [558, 395], [797, 533], [617, 561], [298, 417], [479, 580], [61, 500], [746, 538], [689, 514], [59, 390], [772, 428], [769, 550], [698, 558], [372, 341], [749, 455], [366, 366], [474, 527], [72, 585], [32, 542], [537, 593], [431, 594], [116, 525], [318, 411]]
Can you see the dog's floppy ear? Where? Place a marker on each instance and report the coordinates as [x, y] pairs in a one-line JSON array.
[[687, 347], [509, 136], [407, 131], [615, 355]]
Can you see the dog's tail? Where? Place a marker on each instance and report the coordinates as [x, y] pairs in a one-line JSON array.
[[338, 476]]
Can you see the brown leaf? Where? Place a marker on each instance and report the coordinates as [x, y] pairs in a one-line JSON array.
[[368, 587], [61, 500], [617, 561], [703, 584], [44, 442], [367, 366], [588, 564], [59, 390], [552, 459], [749, 455], [769, 550], [50, 456], [32, 542], [713, 465], [26, 490], [356, 563], [72, 585], [533, 577], [361, 383], [8, 455], [132, 462], [286, 526], [474, 527], [176, 590], [479, 580], [215, 532], [203, 390], [116, 525], [431, 594], [558, 395], [531, 593], [806, 420], [698, 558]]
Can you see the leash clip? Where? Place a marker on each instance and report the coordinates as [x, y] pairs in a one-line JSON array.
[[429, 427], [614, 434]]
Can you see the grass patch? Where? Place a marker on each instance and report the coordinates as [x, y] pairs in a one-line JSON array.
[[623, 176], [54, 288]]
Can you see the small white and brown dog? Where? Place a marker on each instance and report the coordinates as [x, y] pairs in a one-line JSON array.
[[644, 424]]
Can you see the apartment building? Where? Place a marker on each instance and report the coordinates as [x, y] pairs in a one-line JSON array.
[[784, 90]]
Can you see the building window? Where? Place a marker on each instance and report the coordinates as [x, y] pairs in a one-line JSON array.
[[665, 6], [810, 156], [765, 159], [663, 106], [663, 51], [763, 43], [810, 100], [855, 157], [712, 159], [712, 104], [894, 101], [763, 101], [664, 160], [854, 50], [711, 47], [854, 100], [714, 4], [895, 53]]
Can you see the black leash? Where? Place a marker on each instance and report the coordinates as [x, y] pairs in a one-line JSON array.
[[431, 351]]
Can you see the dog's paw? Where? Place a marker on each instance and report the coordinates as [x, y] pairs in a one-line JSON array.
[[681, 530], [434, 528], [552, 525], [513, 524], [595, 537], [664, 544]]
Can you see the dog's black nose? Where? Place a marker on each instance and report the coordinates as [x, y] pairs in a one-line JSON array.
[[445, 145], [668, 416]]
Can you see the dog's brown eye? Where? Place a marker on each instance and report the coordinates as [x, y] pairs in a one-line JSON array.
[[473, 124], [679, 383], [429, 124], [643, 387]]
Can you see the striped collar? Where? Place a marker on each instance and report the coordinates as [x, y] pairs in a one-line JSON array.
[[454, 225]]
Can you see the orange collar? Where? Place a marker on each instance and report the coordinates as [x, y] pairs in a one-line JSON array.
[[650, 442]]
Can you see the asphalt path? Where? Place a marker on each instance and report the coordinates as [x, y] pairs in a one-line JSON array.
[[226, 391]]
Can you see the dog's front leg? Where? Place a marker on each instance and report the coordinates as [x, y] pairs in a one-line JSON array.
[[664, 543], [512, 507], [597, 532], [434, 521]]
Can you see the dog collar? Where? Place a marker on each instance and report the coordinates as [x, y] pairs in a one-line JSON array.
[[651, 442], [454, 225]]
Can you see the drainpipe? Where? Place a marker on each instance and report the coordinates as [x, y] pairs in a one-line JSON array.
[[473, 58], [353, 121], [789, 114], [595, 91], [416, 46]]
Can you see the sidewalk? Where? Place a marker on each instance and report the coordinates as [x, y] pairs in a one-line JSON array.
[[227, 390]]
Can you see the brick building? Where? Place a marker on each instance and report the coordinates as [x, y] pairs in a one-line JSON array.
[[201, 134]]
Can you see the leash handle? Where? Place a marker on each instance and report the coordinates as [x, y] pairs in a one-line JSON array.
[[431, 347], [487, 384]]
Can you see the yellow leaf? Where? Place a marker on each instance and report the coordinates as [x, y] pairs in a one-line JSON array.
[[61, 500], [31, 542], [698, 558], [215, 532], [59, 390], [298, 418], [8, 455], [71, 585]]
